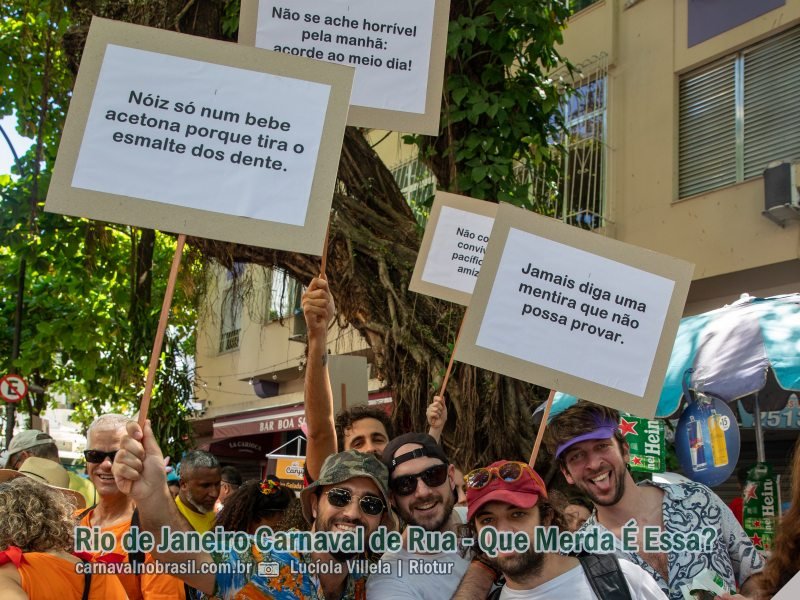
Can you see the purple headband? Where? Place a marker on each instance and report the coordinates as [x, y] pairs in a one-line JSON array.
[[604, 430]]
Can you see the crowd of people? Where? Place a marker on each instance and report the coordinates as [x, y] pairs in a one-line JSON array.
[[381, 516]]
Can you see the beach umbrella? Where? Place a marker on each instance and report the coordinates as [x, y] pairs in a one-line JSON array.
[[748, 350]]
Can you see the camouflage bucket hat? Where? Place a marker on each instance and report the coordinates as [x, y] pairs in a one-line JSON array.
[[349, 464]]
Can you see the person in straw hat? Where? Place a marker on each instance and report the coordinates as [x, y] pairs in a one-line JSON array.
[[36, 538]]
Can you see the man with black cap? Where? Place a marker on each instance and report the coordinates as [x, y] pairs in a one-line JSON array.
[[351, 493], [422, 484], [511, 497]]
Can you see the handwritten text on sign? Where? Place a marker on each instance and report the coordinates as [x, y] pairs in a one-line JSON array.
[[227, 134], [576, 312], [388, 42]]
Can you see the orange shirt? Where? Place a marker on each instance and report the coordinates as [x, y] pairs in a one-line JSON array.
[[144, 586], [43, 576]]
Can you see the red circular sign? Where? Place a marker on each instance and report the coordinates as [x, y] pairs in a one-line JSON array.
[[13, 388]]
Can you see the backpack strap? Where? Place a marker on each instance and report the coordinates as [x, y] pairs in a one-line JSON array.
[[83, 513], [87, 584], [605, 576], [136, 558]]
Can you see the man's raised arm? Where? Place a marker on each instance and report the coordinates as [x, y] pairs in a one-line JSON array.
[[319, 310], [139, 472]]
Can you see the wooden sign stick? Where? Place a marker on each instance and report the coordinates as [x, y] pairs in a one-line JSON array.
[[162, 325], [452, 358], [542, 425], [324, 264]]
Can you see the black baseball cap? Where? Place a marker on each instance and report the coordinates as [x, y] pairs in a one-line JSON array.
[[429, 447]]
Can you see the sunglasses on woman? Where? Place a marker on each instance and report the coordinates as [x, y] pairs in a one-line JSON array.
[[405, 485], [98, 456], [508, 472], [370, 505]]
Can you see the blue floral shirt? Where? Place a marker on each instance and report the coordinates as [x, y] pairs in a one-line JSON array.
[[692, 507], [254, 575]]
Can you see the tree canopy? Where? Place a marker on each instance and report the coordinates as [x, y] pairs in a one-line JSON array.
[[500, 114]]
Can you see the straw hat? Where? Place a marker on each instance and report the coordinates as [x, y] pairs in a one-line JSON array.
[[47, 472]]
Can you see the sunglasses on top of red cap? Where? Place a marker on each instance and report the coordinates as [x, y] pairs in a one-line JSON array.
[[508, 472]]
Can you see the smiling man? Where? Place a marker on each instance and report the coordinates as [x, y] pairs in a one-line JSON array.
[[511, 497], [593, 456], [422, 484], [115, 513], [363, 428], [351, 494]]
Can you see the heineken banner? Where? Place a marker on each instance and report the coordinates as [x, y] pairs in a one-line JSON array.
[[761, 508], [707, 441], [646, 440]]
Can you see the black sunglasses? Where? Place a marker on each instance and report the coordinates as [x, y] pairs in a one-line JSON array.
[[405, 485], [370, 505], [98, 456]]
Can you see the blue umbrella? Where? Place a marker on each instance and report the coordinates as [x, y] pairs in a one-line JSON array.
[[748, 348]]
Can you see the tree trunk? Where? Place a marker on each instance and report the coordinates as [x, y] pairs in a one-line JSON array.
[[374, 241]]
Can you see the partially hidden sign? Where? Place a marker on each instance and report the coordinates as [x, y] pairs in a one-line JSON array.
[[571, 310], [453, 247], [206, 138], [397, 49]]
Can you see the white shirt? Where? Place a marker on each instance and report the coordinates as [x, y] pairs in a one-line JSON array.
[[575, 585]]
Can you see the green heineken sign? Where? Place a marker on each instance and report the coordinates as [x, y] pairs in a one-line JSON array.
[[761, 508], [647, 442]]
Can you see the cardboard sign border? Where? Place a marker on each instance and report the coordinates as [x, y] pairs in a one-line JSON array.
[[78, 202], [668, 267], [465, 203], [381, 118]]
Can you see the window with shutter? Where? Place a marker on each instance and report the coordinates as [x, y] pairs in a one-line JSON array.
[[738, 115]]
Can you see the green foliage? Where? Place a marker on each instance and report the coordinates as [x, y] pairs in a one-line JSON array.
[[230, 20], [501, 110], [77, 339]]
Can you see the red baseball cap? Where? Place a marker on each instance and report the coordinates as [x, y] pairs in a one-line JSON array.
[[523, 492]]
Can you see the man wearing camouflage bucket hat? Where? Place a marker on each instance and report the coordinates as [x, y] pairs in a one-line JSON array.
[[350, 496]]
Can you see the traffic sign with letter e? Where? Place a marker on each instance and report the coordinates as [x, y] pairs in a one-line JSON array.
[[13, 388]]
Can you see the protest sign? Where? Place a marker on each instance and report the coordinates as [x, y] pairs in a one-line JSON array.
[[206, 138], [453, 247], [571, 310], [349, 376], [397, 48]]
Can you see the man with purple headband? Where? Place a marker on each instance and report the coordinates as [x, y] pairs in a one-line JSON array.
[[593, 456]]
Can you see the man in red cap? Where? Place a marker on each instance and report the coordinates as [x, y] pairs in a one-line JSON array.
[[511, 497]]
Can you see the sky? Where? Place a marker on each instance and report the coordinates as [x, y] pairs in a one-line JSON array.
[[20, 144]]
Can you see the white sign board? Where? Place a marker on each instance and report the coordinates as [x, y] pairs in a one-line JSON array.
[[574, 311], [183, 123], [453, 247], [397, 49]]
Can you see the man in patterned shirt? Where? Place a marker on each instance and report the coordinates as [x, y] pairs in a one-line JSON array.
[[593, 456], [351, 495]]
